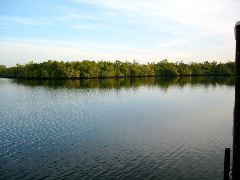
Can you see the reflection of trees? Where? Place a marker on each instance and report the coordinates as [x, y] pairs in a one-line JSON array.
[[163, 83]]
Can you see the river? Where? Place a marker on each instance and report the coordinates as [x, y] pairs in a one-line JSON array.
[[142, 128]]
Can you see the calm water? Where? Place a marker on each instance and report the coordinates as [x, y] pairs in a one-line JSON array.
[[147, 128]]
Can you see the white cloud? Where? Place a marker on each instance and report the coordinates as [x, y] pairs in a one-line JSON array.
[[6, 20], [201, 29], [74, 13], [23, 51], [209, 17], [196, 30], [88, 27]]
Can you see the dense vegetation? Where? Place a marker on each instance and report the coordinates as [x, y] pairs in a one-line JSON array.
[[102, 69]]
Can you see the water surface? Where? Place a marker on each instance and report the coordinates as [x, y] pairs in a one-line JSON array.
[[143, 128]]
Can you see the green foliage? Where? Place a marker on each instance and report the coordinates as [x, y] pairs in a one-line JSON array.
[[184, 69], [103, 69], [2, 69], [167, 69]]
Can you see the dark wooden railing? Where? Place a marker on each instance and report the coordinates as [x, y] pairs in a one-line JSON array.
[[236, 123], [235, 174], [226, 164]]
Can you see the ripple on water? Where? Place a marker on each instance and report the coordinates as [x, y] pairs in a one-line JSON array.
[[129, 133]]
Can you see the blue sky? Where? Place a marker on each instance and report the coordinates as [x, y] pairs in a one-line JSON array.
[[141, 30]]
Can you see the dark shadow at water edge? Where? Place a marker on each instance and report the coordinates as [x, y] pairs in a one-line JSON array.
[[163, 83]]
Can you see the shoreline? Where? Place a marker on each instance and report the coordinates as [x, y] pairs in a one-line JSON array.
[[112, 77]]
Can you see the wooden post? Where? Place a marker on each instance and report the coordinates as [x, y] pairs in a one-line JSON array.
[[226, 164], [236, 123]]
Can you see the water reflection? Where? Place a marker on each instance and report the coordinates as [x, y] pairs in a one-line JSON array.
[[163, 83], [88, 129]]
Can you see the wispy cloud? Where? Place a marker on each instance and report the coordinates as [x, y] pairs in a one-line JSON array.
[[9, 20], [190, 30], [208, 16], [39, 50], [74, 13], [88, 27]]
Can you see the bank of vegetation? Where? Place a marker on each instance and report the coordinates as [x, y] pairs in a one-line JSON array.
[[104, 69]]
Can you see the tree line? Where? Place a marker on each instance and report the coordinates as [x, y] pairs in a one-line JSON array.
[[105, 69]]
